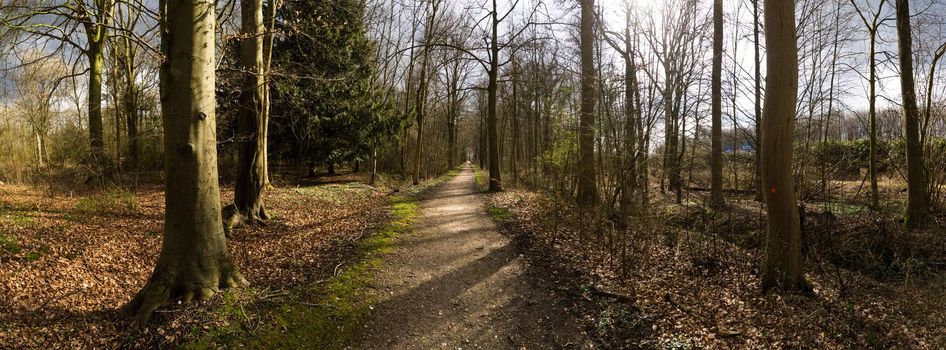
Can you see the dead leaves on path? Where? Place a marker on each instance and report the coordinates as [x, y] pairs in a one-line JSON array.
[[67, 265]]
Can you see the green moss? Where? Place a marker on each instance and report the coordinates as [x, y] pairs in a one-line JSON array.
[[331, 321], [498, 214], [336, 314], [111, 201]]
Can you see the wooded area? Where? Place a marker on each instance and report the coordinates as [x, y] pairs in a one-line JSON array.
[[657, 173]]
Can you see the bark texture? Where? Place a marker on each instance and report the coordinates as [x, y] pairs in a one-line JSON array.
[[194, 261], [758, 103], [917, 196], [630, 114], [716, 159], [783, 245], [587, 188], [96, 56], [492, 136], [252, 126], [96, 18]]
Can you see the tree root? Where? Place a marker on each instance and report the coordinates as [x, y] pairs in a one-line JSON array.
[[233, 218], [173, 281]]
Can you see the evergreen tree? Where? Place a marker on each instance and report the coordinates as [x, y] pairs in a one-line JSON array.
[[325, 107]]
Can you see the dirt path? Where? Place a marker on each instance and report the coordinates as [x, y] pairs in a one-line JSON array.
[[455, 283]]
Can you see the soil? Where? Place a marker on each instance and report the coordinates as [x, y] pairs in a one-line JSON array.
[[455, 282]]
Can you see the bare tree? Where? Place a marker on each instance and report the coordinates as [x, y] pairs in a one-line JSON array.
[[587, 187], [917, 200], [872, 25], [716, 160]]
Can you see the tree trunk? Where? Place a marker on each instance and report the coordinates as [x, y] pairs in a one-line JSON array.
[[268, 42], [630, 120], [495, 178], [514, 159], [670, 134], [115, 92], [452, 143], [96, 58], [783, 246], [251, 127], [374, 163], [917, 196], [40, 150], [194, 261], [758, 104], [872, 116], [827, 117], [716, 184], [587, 189], [421, 95], [130, 102]]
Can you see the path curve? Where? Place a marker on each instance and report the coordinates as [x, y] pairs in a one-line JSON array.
[[454, 282]]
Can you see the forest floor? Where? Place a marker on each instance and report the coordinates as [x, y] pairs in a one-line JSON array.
[[455, 282], [346, 265], [71, 257], [684, 277]]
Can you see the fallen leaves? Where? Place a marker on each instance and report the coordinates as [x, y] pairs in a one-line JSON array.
[[694, 290], [68, 263]]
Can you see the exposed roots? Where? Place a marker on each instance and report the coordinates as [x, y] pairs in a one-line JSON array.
[[233, 218], [171, 281]]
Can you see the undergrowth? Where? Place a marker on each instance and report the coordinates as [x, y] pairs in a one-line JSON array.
[[115, 201], [498, 214]]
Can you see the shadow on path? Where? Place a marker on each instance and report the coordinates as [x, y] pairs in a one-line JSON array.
[[454, 282]]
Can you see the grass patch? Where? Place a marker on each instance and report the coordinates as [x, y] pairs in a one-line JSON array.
[[111, 201], [35, 255], [336, 193], [9, 244], [498, 214], [22, 218], [479, 176]]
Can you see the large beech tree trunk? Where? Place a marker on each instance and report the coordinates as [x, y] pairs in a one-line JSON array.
[[716, 160], [783, 246], [587, 189], [917, 201], [252, 124], [194, 261]]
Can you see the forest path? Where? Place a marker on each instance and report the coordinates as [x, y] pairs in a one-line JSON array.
[[454, 282]]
